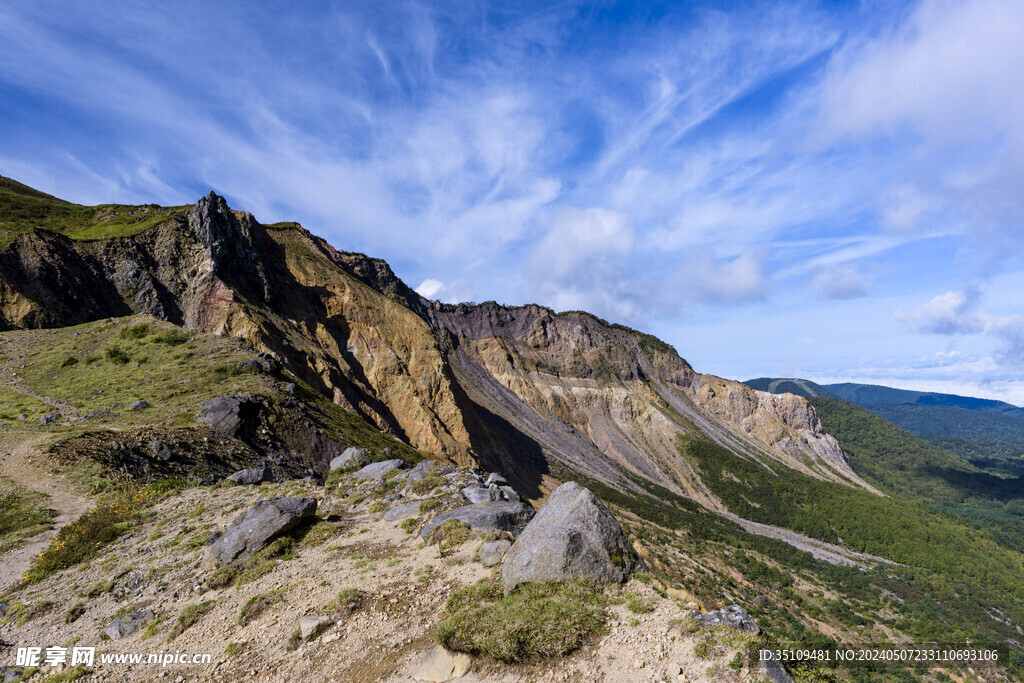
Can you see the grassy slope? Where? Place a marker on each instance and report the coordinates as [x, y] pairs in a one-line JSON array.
[[23, 209]]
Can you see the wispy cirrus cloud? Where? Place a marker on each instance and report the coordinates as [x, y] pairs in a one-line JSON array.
[[657, 168]]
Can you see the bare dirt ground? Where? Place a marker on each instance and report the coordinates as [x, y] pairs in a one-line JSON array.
[[21, 462], [404, 583]]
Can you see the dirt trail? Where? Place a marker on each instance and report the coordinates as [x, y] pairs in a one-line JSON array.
[[67, 503]]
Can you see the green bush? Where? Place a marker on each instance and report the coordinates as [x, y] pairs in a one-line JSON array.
[[118, 355], [449, 536], [549, 619], [136, 331], [189, 617], [258, 604], [171, 338], [69, 361]]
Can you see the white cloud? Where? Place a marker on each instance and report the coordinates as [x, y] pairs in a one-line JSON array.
[[707, 279], [955, 312], [841, 282], [942, 89], [453, 293]]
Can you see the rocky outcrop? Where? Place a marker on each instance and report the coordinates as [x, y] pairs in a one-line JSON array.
[[521, 390], [228, 414], [573, 536], [732, 616], [250, 532], [252, 475], [351, 459]]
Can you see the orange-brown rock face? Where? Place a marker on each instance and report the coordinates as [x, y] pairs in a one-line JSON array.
[[537, 395]]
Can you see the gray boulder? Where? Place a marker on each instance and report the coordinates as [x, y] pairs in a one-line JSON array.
[[227, 414], [122, 627], [492, 552], [402, 511], [495, 478], [162, 450], [139, 405], [252, 530], [574, 536], [495, 515], [481, 494], [733, 616], [3, 609], [421, 471], [47, 419], [255, 475], [312, 626], [378, 470], [350, 459]]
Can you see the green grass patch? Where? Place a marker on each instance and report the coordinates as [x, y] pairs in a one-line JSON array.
[[544, 620]]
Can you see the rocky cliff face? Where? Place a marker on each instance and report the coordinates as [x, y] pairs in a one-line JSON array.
[[534, 394]]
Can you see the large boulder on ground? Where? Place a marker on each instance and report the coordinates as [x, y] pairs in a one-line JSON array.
[[377, 470], [255, 475], [228, 414], [251, 531], [350, 459], [122, 627], [495, 515], [574, 536], [313, 625], [733, 616]]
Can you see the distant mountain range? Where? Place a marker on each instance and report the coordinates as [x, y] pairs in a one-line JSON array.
[[988, 433]]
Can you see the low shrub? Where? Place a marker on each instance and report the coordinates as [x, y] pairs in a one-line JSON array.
[[549, 619], [189, 617]]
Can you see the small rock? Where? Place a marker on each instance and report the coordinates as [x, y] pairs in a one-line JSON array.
[[495, 478], [312, 626], [162, 450], [439, 665], [402, 511], [3, 609], [492, 552], [639, 664], [122, 627], [139, 405], [47, 419], [510, 493], [377, 470]]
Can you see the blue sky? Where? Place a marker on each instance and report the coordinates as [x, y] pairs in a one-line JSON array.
[[828, 190]]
